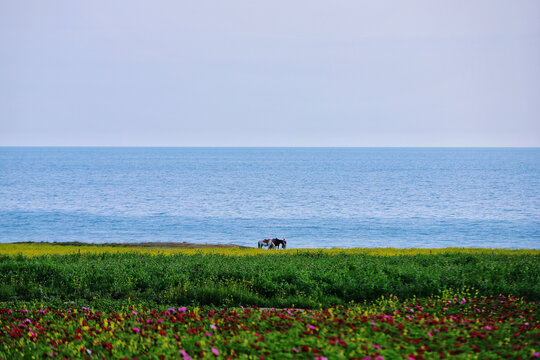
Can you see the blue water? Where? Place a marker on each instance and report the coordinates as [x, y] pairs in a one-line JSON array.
[[315, 197]]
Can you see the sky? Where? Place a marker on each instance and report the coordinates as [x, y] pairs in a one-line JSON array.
[[270, 73]]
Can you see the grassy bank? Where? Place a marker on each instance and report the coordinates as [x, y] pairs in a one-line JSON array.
[[300, 278], [31, 249], [184, 302]]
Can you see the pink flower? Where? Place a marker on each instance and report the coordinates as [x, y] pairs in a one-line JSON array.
[[134, 312], [213, 326], [182, 309], [215, 351], [186, 356], [295, 350], [208, 334], [24, 311], [536, 354], [311, 327], [487, 327], [321, 358], [136, 330], [376, 346], [429, 334], [379, 358]]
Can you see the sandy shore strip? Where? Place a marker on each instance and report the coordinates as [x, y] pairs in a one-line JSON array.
[[169, 245]]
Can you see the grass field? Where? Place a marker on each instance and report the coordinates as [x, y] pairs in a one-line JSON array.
[[178, 302]]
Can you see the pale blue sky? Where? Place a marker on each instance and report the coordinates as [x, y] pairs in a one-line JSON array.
[[273, 73]]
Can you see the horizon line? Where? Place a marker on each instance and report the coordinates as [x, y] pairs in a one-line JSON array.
[[268, 147]]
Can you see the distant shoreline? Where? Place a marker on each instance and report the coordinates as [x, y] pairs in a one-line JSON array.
[[173, 245], [188, 245]]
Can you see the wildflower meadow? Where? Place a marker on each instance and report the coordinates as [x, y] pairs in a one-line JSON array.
[[126, 303]]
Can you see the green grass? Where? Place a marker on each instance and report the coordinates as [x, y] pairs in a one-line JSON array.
[[303, 280]]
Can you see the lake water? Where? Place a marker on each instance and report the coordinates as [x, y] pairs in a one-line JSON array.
[[315, 197]]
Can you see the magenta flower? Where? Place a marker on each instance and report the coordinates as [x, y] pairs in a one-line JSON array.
[[536, 354], [311, 327], [182, 309], [186, 356], [215, 351], [136, 330], [213, 326], [295, 350], [429, 334], [376, 346]]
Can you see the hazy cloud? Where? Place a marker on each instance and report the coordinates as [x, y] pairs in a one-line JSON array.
[[280, 73]]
